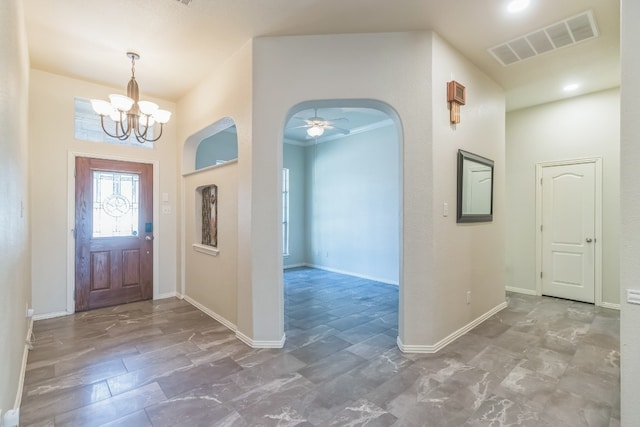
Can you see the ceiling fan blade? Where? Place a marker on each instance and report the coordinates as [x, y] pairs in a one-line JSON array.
[[338, 119], [300, 127]]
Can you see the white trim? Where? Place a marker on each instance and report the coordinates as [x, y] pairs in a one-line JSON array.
[[302, 264], [166, 295], [51, 315], [521, 290], [350, 273], [261, 344], [23, 368], [205, 249], [183, 239], [71, 220], [208, 168], [231, 326], [610, 305], [597, 256], [407, 348]]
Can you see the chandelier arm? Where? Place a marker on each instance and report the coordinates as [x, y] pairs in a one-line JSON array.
[[141, 138], [117, 135], [125, 132]]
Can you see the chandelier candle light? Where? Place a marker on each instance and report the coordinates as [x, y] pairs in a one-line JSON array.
[[140, 116]]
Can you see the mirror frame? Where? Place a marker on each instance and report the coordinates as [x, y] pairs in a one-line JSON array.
[[462, 218]]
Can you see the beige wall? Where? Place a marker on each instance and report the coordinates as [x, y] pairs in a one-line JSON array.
[[224, 98], [336, 66], [283, 68], [467, 257], [211, 281], [582, 127], [630, 208], [51, 142], [258, 88], [15, 286]]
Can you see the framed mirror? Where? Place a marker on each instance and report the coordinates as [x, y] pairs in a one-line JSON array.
[[475, 188]]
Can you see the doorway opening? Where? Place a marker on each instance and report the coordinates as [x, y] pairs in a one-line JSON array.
[[341, 222]]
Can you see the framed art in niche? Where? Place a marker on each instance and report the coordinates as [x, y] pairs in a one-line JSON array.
[[210, 215]]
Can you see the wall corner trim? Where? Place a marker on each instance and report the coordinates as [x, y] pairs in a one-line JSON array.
[[166, 296], [231, 326], [610, 305], [521, 290], [409, 348], [51, 315], [23, 368], [261, 344]]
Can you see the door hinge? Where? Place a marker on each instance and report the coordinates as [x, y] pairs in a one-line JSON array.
[[540, 181], [541, 274], [73, 230], [540, 227]]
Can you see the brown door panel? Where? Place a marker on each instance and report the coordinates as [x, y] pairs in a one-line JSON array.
[[113, 270]]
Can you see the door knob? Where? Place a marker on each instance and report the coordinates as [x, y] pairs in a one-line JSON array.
[[151, 238], [589, 240]]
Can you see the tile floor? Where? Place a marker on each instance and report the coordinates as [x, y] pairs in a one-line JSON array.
[[539, 362]]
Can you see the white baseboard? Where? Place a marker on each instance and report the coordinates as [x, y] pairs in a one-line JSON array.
[[350, 273], [289, 266], [407, 348], [50, 315], [23, 368], [610, 305], [211, 313], [521, 290], [166, 295], [261, 344]]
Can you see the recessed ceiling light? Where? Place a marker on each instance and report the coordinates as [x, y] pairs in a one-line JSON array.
[[516, 6], [571, 87]]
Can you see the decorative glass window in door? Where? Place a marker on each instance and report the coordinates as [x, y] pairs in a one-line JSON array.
[[116, 204]]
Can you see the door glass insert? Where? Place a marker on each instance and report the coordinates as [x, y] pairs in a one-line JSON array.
[[116, 204]]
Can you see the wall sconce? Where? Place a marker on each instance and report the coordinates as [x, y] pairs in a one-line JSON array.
[[456, 95]]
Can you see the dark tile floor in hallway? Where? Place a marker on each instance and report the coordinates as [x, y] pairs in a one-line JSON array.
[[539, 362]]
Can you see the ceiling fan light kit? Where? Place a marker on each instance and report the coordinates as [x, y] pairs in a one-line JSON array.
[[315, 131], [139, 116], [316, 125]]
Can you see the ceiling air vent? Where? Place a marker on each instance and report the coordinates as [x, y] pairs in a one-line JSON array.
[[565, 33], [185, 2]]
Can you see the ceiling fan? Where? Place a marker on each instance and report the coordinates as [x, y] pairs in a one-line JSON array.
[[316, 125]]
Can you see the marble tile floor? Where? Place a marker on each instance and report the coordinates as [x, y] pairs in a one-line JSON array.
[[540, 362]]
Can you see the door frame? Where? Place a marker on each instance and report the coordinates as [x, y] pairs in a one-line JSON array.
[[597, 256], [71, 220]]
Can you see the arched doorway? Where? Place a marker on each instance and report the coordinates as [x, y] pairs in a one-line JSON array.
[[341, 222]]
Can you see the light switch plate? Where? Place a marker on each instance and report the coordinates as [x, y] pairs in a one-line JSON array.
[[633, 296]]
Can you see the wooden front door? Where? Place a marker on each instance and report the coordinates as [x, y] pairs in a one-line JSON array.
[[114, 232]]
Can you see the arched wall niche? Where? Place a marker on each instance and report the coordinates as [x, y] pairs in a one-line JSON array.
[[223, 126]]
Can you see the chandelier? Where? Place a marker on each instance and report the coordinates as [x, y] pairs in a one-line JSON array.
[[130, 115]]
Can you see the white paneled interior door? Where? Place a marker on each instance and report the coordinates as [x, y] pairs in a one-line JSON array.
[[568, 230]]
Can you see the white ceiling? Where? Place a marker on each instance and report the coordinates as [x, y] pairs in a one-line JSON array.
[[179, 45]]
